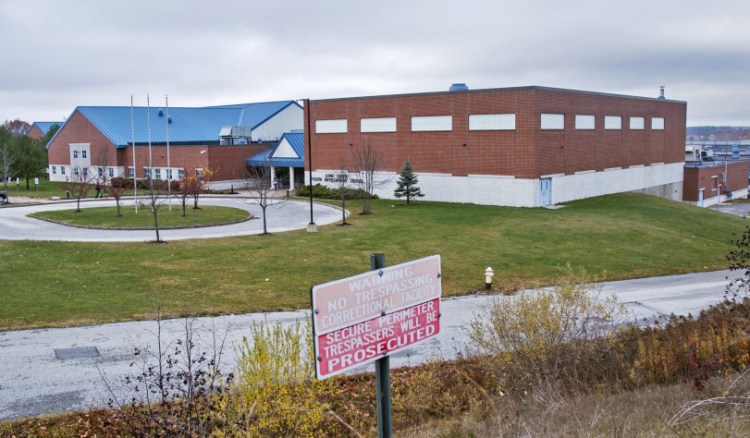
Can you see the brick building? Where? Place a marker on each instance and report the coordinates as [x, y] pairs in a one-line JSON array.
[[102, 140], [40, 129], [711, 182], [526, 146]]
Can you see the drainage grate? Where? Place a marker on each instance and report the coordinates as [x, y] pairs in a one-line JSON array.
[[76, 352]]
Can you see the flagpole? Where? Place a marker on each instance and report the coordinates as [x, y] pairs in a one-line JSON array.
[[150, 160], [169, 168], [135, 169]]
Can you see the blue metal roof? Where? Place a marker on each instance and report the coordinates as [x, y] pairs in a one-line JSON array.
[[189, 125], [46, 126], [295, 139]]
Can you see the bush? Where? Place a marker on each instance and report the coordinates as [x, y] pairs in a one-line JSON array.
[[551, 338], [322, 192]]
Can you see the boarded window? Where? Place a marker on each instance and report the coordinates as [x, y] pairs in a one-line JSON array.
[[492, 122], [432, 123], [553, 121]]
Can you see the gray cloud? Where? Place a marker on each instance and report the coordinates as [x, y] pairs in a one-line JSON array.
[[81, 52]]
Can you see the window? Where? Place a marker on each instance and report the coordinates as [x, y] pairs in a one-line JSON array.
[[180, 173], [383, 124], [553, 121], [337, 126], [657, 123], [492, 122], [111, 172], [146, 172], [432, 123], [585, 122], [169, 174], [157, 174], [54, 170], [85, 172], [75, 153], [100, 171], [83, 153], [714, 183], [131, 172], [62, 170], [75, 171], [637, 123], [612, 122]]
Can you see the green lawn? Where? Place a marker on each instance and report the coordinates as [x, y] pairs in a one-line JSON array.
[[106, 216], [45, 189], [619, 236]]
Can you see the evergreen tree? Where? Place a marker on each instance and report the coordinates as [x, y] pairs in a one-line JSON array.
[[407, 183]]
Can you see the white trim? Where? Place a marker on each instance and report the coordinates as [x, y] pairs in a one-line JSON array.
[[431, 123], [378, 124], [492, 122], [333, 126]]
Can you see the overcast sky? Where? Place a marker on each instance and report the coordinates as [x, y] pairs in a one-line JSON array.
[[60, 54]]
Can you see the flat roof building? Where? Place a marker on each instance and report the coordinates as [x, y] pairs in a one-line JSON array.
[[526, 146]]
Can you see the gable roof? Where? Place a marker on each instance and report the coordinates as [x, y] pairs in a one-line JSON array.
[[282, 153], [189, 125], [45, 126]]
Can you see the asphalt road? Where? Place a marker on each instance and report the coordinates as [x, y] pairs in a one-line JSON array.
[[282, 216], [36, 377]]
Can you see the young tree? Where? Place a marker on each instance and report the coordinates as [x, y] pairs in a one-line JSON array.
[[203, 177], [189, 185], [260, 185], [342, 178], [117, 189], [154, 197], [7, 155], [31, 158], [367, 163], [407, 183], [78, 185]]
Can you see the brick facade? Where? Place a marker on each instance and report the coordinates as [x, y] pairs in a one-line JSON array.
[[709, 178], [524, 153]]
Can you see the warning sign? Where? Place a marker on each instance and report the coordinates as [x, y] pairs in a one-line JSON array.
[[361, 318]]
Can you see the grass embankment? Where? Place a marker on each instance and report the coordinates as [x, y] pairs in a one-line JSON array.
[[106, 217], [619, 236]]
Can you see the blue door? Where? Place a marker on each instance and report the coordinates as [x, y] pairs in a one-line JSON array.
[[545, 191]]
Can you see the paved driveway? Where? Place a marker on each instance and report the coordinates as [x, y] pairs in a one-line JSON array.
[[283, 216]]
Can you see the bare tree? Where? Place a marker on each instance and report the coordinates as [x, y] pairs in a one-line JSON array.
[[259, 184], [367, 164], [7, 155], [154, 197], [78, 184], [342, 178], [189, 186]]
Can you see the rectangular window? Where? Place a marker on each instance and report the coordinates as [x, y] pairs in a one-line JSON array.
[[100, 171], [75, 153], [62, 170], [131, 172], [180, 173], [637, 123], [714, 183], [585, 122], [612, 122], [337, 126], [492, 122], [54, 170], [553, 121], [75, 171], [146, 172], [111, 172], [169, 174], [85, 172], [83, 153], [432, 123], [157, 173], [382, 124], [657, 123]]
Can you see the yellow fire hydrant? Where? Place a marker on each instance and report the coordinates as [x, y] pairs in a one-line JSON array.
[[488, 274]]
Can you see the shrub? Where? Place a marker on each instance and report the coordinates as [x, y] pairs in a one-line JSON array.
[[551, 338], [323, 192]]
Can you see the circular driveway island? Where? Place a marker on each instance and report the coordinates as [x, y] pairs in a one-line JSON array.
[[287, 215]]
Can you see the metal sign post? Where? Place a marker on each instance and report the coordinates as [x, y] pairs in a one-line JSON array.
[[382, 374]]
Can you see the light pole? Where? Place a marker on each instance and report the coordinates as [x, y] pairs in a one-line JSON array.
[[311, 227]]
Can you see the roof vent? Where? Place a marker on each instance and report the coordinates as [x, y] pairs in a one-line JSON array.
[[459, 87], [161, 113], [661, 91], [169, 120]]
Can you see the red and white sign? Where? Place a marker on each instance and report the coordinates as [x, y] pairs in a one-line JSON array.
[[362, 318]]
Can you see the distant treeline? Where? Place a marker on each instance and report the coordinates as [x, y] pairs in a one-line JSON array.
[[718, 133]]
